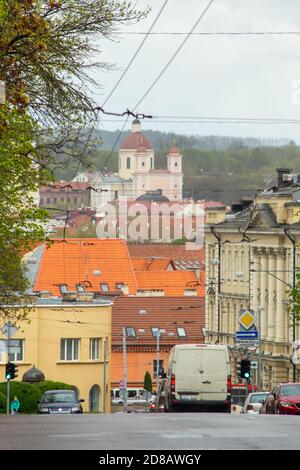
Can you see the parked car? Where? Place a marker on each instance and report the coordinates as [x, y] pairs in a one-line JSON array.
[[198, 377], [135, 396], [60, 402], [254, 402], [284, 399]]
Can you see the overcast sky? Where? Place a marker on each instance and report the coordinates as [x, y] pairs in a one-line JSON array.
[[223, 76]]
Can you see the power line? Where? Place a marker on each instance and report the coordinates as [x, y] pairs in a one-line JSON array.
[[213, 33], [175, 54], [136, 53]]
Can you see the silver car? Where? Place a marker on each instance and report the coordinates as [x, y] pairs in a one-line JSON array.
[[254, 402]]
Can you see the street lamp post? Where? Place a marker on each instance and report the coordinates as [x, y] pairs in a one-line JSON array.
[[157, 359], [259, 370]]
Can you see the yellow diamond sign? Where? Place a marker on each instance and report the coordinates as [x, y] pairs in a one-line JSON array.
[[246, 319]]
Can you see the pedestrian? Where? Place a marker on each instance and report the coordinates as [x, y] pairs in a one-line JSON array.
[[14, 406]]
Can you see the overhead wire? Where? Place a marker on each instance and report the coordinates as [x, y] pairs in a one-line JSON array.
[[174, 55]]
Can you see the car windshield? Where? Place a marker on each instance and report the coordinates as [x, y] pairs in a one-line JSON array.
[[258, 397], [288, 390], [59, 398]]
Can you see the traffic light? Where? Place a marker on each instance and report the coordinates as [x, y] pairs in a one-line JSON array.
[[245, 368], [238, 367], [11, 371]]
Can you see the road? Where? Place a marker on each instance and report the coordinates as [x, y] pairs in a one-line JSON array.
[[150, 431]]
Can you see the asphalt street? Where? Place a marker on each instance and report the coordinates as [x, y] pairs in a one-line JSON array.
[[150, 431]]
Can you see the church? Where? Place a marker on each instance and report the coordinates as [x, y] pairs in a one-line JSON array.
[[137, 164]]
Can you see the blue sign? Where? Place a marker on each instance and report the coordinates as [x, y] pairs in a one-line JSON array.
[[252, 334]]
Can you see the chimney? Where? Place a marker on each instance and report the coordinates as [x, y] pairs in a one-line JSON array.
[[281, 179]]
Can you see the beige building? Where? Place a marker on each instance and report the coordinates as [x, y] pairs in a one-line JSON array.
[[66, 339], [251, 256]]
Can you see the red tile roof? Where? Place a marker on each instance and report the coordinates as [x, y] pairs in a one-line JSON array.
[[165, 251], [135, 140], [169, 313]]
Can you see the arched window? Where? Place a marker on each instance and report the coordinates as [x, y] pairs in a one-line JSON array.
[[94, 399], [151, 163], [128, 163]]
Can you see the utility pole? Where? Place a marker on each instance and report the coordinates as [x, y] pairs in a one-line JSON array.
[[124, 372], [104, 376], [8, 360], [218, 290], [157, 360]]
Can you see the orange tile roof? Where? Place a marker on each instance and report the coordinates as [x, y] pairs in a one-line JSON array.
[[78, 260], [75, 261], [150, 264], [173, 283]]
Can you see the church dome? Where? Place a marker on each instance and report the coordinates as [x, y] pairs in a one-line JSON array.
[[135, 140], [174, 151], [153, 196]]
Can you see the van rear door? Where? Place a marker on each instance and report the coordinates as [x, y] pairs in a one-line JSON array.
[[187, 370], [214, 374]]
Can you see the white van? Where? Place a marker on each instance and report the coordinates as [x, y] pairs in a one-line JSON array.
[[198, 376], [135, 396]]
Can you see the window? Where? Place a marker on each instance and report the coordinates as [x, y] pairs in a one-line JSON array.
[[116, 194], [190, 292], [18, 354], [176, 164], [130, 332], [80, 288], [143, 163], [63, 288], [161, 365], [75, 199], [48, 200], [94, 348], [119, 285], [128, 163], [54, 200], [42, 200], [104, 287], [154, 332], [181, 332], [69, 349]]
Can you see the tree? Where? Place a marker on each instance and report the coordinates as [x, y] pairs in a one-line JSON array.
[[148, 382], [294, 296]]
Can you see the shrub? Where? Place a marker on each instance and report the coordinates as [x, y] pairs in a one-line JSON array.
[[148, 382], [28, 396]]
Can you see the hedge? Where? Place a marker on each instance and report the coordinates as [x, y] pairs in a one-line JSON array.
[[29, 394]]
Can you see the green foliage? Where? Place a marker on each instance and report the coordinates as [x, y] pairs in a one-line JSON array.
[[50, 385], [148, 382], [29, 394], [294, 297]]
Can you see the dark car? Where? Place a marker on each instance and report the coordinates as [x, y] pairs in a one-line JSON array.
[[284, 399], [60, 402]]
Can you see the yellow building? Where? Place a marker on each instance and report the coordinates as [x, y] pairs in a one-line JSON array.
[[66, 338], [251, 258]]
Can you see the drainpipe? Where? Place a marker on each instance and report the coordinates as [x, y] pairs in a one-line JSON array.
[[219, 282]]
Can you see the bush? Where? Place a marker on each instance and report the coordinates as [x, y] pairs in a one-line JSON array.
[[28, 396], [148, 382], [49, 385]]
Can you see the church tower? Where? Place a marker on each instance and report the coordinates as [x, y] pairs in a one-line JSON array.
[[130, 151], [174, 159]]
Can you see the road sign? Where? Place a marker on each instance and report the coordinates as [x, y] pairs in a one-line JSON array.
[[247, 342], [246, 334], [246, 318], [9, 329], [254, 364]]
